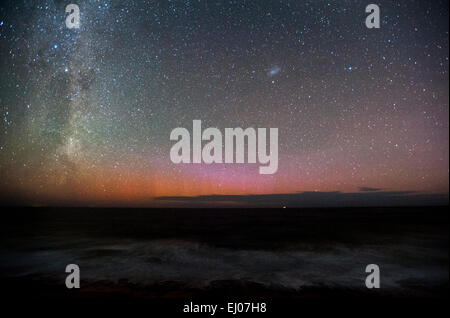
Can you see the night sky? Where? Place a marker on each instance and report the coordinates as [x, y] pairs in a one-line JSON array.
[[86, 113]]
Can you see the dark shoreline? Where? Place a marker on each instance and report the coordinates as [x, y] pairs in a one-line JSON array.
[[228, 235], [169, 298], [242, 228]]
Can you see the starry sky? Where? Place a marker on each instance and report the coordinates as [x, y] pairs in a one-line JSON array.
[[86, 113]]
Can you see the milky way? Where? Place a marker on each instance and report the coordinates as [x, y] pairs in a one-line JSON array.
[[87, 113]]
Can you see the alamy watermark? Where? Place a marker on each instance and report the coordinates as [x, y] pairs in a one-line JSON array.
[[373, 19], [73, 19], [373, 279], [73, 279], [235, 138]]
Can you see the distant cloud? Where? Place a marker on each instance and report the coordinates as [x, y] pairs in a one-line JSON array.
[[369, 189], [373, 198]]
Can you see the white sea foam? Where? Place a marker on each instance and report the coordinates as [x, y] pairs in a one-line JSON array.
[[148, 262]]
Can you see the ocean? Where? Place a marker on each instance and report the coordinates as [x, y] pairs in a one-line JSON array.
[[183, 253]]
